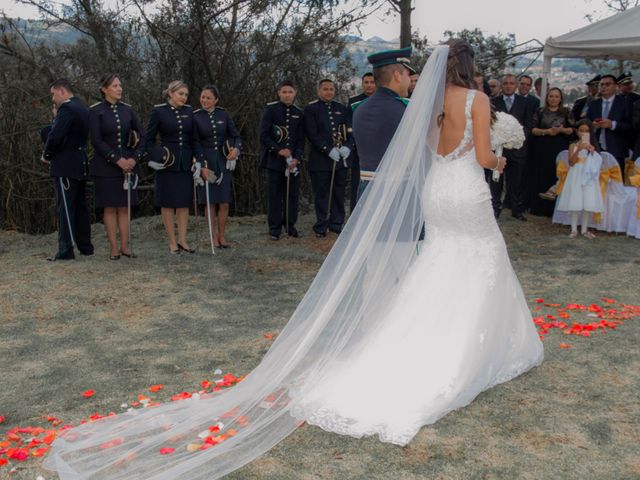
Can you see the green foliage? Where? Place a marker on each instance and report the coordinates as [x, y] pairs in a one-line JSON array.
[[492, 52]]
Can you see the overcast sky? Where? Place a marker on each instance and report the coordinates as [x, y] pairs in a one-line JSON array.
[[538, 19], [527, 19]]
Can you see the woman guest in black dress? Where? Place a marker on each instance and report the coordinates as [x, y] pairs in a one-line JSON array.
[[220, 141], [173, 123], [115, 134], [552, 131]]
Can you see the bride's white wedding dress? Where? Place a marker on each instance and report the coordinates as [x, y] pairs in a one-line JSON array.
[[459, 323]]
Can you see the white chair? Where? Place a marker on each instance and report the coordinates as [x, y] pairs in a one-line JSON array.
[[619, 200], [633, 228]]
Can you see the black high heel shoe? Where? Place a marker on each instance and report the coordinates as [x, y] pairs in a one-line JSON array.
[[188, 250], [129, 255]]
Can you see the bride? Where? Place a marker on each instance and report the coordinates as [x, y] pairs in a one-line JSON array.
[[439, 322]]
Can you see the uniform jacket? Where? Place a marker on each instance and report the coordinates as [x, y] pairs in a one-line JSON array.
[[175, 126], [214, 129], [66, 144], [110, 127], [281, 127], [375, 121], [322, 120], [617, 140]]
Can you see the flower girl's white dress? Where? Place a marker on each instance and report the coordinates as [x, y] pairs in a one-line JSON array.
[[459, 324], [581, 191]]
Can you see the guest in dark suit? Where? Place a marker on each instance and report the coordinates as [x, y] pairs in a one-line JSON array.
[[635, 123], [368, 89], [282, 141], [494, 87], [525, 82], [328, 128], [611, 116], [581, 105], [173, 122], [220, 142], [65, 152], [115, 136], [522, 110], [414, 81]]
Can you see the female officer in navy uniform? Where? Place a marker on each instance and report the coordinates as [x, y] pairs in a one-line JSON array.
[[173, 121], [115, 133], [220, 141]]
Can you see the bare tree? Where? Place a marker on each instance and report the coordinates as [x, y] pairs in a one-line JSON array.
[[404, 9]]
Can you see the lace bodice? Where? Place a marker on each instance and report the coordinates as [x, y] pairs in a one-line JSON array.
[[466, 144]]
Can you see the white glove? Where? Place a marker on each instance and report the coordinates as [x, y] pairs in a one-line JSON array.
[[219, 181], [196, 168], [231, 165], [334, 154], [295, 171], [198, 181], [156, 165], [344, 152]]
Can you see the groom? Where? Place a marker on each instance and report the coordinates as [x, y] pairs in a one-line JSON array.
[[376, 118]]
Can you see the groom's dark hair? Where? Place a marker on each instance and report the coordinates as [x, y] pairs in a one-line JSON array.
[[461, 66], [382, 75]]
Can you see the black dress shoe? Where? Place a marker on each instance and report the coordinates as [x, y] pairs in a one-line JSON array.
[[86, 253], [496, 213], [336, 230], [57, 257], [321, 235], [188, 250], [294, 233], [275, 238], [519, 216]]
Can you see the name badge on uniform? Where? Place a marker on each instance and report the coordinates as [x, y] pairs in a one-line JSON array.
[[295, 116], [220, 122], [184, 116], [338, 113]]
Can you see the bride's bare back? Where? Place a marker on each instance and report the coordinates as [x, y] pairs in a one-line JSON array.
[[454, 123]]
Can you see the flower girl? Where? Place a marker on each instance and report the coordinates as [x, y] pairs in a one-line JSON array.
[[581, 192]]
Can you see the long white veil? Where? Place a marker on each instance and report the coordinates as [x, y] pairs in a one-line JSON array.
[[345, 302]]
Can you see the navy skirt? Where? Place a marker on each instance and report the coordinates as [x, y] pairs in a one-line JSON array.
[[173, 189], [217, 193], [110, 193]]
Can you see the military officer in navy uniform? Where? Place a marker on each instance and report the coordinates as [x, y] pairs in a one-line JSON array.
[[282, 141], [376, 119], [328, 128], [626, 88], [581, 105], [173, 122], [221, 144], [115, 135], [368, 89], [65, 152]]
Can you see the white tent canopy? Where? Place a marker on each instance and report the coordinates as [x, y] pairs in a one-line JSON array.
[[615, 37]]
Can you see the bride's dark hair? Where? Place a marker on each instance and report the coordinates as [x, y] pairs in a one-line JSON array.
[[460, 63]]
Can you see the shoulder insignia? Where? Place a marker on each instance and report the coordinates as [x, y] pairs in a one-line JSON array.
[[297, 108], [125, 104], [313, 101], [95, 104], [272, 103], [403, 100], [221, 108], [188, 106], [160, 105], [198, 110]]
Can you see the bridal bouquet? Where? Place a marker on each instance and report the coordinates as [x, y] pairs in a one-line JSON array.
[[506, 132]]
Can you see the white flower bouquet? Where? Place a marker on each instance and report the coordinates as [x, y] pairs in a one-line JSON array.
[[506, 132]]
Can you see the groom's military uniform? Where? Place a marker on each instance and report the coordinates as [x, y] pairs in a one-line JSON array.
[[376, 118]]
